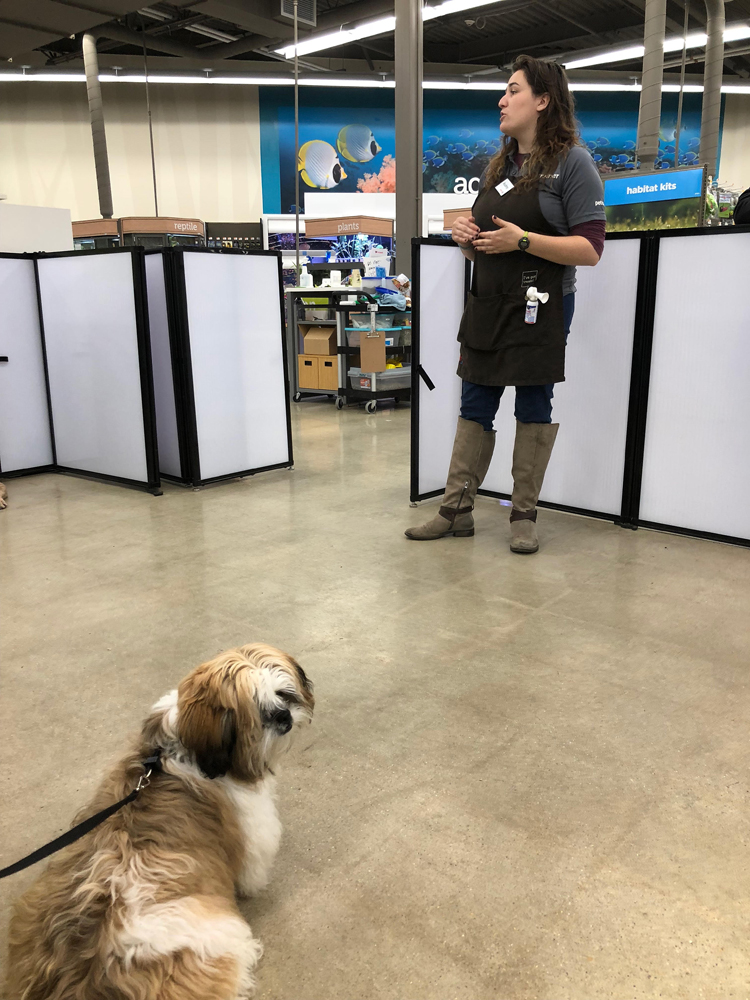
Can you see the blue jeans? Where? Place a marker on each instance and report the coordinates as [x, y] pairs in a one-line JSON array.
[[533, 402]]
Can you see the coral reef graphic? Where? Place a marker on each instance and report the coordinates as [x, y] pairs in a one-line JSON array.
[[383, 181]]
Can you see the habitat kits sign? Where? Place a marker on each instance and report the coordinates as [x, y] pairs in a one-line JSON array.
[[654, 201]]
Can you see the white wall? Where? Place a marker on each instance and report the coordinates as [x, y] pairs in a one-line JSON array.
[[734, 166], [207, 143], [29, 228]]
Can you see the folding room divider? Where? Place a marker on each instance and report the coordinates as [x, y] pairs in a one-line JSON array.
[[220, 366], [123, 365], [654, 413]]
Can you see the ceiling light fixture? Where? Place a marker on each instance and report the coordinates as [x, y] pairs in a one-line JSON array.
[[342, 37], [321, 81], [697, 40], [218, 36], [369, 29]]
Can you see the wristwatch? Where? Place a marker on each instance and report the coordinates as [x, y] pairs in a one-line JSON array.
[[524, 243]]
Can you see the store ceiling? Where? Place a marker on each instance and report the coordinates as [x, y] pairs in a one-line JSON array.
[[242, 34]]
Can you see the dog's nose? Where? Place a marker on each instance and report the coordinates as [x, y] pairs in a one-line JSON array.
[[282, 719]]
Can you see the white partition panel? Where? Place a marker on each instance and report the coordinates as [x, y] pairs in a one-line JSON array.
[[442, 271], [591, 405], [696, 469], [91, 335], [236, 353], [161, 360], [25, 439]]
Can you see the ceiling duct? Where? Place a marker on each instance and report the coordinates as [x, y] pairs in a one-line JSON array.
[[649, 114], [96, 113], [712, 79], [307, 11]]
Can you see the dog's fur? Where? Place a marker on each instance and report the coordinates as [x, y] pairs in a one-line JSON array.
[[144, 908], [3, 496]]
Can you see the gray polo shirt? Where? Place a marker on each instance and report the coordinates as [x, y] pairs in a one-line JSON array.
[[572, 195]]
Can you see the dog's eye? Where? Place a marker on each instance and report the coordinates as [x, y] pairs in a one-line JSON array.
[[288, 696]]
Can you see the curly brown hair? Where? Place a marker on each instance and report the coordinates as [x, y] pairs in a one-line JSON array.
[[556, 130]]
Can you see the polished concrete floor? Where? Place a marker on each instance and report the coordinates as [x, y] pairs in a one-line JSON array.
[[527, 778]]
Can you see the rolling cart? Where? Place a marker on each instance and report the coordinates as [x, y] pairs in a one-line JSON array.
[[295, 315], [356, 386]]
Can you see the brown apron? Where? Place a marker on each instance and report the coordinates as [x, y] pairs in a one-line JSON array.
[[497, 346]]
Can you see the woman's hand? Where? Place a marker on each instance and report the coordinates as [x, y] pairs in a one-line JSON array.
[[464, 230], [501, 240]]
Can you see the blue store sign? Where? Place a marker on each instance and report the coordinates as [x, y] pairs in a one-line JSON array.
[[632, 190]]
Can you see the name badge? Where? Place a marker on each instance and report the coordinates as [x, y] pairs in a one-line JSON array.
[[504, 187]]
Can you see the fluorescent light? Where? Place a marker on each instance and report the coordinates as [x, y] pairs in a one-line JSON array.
[[696, 40], [46, 77], [114, 78], [219, 36], [736, 32], [369, 29], [460, 85], [321, 81], [605, 86], [250, 81], [452, 7], [178, 79], [342, 37], [689, 88], [316, 81], [616, 55]]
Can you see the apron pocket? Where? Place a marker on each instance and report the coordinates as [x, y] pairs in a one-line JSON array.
[[491, 322]]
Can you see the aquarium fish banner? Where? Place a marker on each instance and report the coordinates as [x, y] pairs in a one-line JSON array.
[[351, 147]]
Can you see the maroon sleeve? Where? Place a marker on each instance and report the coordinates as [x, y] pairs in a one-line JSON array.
[[593, 232]]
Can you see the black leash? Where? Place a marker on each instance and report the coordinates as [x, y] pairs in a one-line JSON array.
[[151, 764]]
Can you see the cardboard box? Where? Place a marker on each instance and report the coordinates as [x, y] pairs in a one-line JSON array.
[[328, 374], [350, 225], [451, 214], [318, 372], [308, 372], [319, 339]]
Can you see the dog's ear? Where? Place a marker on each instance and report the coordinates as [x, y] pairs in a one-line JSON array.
[[210, 732], [219, 722], [305, 682]]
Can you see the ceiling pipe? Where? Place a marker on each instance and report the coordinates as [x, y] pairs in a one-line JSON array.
[[119, 33], [712, 79], [96, 113], [649, 112]]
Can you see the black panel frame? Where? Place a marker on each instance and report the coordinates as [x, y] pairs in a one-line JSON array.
[[152, 483], [182, 368], [417, 372], [143, 339], [37, 469]]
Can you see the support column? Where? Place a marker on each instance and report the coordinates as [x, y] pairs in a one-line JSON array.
[[408, 37], [649, 114]]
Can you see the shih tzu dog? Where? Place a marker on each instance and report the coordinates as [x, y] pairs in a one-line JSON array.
[[144, 906]]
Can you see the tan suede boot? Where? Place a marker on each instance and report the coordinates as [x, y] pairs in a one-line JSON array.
[[531, 454], [472, 454]]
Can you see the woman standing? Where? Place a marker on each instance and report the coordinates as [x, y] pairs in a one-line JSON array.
[[539, 213]]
